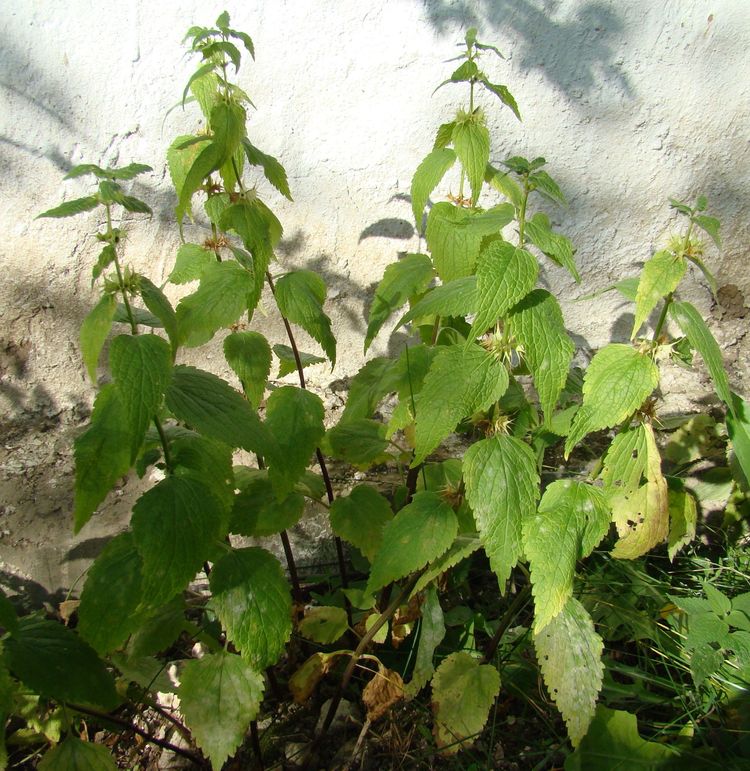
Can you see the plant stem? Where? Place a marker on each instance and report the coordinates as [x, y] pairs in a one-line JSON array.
[[194, 757], [662, 316], [126, 302], [522, 213], [255, 738], [164, 443], [289, 554], [505, 622]]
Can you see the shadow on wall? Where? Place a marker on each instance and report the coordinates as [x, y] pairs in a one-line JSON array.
[[575, 54]]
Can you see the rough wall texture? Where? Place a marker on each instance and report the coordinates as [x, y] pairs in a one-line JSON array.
[[631, 103]]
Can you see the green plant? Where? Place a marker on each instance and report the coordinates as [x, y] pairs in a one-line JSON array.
[[494, 361]]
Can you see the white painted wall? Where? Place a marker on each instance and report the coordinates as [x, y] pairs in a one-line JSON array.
[[631, 103]]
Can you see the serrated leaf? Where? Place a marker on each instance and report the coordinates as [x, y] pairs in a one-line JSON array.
[[456, 298], [454, 235], [719, 602], [418, 534], [444, 135], [502, 487], [659, 277], [191, 261], [505, 184], [259, 512], [369, 387], [102, 454], [427, 177], [462, 380], [214, 408], [142, 367], [208, 462], [613, 744], [537, 324], [224, 294], [431, 634], [220, 695], [249, 355], [324, 624], [71, 208], [546, 186], [252, 600], [696, 330], [461, 548], [228, 127], [53, 661], [74, 754], [618, 380], [409, 276], [175, 525], [683, 517], [94, 332], [272, 170], [208, 158], [572, 519], [642, 516], [554, 245], [738, 428], [131, 171], [569, 652], [471, 140], [300, 296], [159, 630], [503, 93], [463, 692], [156, 301], [505, 274], [360, 441], [288, 362], [111, 595], [360, 517], [295, 418], [710, 225]]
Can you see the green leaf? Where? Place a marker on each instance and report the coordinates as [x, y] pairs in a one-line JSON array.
[[53, 661], [572, 519], [431, 634], [462, 380], [505, 184], [641, 513], [463, 692], [463, 547], [142, 367], [107, 613], [208, 462], [214, 408], [546, 186], [288, 363], [106, 258], [175, 525], [180, 157], [324, 624], [444, 136], [554, 245], [569, 652], [696, 330], [159, 630], [76, 755], [683, 517], [208, 158], [454, 235], [102, 454], [659, 277], [131, 171], [94, 331], [224, 294], [295, 418], [427, 177], [409, 276], [249, 355], [503, 93], [505, 274], [300, 296], [190, 263], [502, 487], [360, 517], [360, 441], [710, 225], [228, 127], [618, 380], [8, 621], [156, 301], [369, 387], [259, 512], [71, 208], [738, 428], [220, 695], [538, 326], [418, 534], [272, 170], [613, 744], [471, 141], [456, 298], [251, 598]]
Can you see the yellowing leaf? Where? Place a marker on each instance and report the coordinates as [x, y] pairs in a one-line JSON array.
[[324, 624]]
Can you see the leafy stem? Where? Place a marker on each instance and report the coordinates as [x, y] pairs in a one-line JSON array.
[[118, 269], [522, 212]]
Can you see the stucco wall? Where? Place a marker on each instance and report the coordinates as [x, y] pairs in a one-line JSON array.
[[631, 103]]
